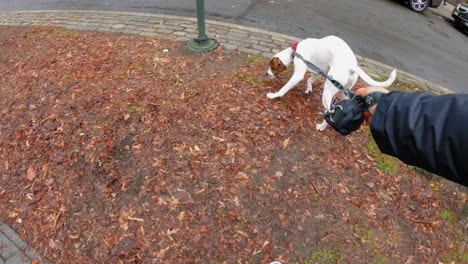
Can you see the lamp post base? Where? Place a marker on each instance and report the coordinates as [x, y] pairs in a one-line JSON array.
[[202, 45]]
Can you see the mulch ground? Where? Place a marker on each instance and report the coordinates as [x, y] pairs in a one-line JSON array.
[[116, 151]]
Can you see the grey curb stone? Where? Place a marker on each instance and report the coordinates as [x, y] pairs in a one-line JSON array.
[[261, 48], [165, 31], [238, 35], [131, 31], [240, 44], [148, 34], [7, 248], [250, 51], [18, 258], [240, 39], [144, 24], [7, 231], [13, 250]]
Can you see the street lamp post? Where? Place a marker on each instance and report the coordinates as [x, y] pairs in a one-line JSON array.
[[202, 42]]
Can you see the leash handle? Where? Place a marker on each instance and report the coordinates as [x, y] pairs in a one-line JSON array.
[[368, 100]]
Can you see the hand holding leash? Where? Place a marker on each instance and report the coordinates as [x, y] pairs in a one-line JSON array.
[[348, 115], [363, 91]]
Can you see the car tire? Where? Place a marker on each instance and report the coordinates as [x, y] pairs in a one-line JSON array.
[[419, 5]]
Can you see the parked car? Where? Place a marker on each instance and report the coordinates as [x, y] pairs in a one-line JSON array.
[[460, 15], [422, 5]]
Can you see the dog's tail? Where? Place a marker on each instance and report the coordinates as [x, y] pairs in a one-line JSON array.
[[371, 81]]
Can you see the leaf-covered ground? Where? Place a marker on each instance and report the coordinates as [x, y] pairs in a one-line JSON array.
[[114, 151]]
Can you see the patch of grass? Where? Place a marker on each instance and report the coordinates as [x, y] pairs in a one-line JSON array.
[[132, 109], [254, 59], [382, 77], [313, 198], [387, 164], [252, 81], [366, 237], [331, 255], [381, 258], [368, 131], [138, 65], [459, 254], [448, 216], [248, 78], [61, 32]]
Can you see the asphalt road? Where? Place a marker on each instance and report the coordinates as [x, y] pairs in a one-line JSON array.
[[383, 30]]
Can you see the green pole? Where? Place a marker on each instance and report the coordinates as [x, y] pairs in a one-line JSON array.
[[202, 42]]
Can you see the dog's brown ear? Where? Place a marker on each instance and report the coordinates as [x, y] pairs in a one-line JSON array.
[[277, 66]]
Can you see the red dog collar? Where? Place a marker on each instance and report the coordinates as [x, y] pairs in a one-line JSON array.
[[294, 47]]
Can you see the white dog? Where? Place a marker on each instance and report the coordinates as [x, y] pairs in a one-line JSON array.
[[333, 56]]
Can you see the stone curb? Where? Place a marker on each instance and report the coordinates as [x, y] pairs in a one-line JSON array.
[[13, 250], [245, 39]]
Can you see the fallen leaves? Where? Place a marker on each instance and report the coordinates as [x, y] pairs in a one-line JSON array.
[[31, 173], [286, 142], [141, 158]]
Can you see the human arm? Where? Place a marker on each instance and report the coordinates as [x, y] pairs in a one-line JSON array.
[[424, 130]]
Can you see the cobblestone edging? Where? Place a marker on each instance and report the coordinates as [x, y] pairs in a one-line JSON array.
[[231, 36], [13, 250]]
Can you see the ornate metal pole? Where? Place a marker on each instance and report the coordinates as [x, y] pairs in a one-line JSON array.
[[202, 42]]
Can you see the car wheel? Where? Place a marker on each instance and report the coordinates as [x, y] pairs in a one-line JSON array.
[[418, 5]]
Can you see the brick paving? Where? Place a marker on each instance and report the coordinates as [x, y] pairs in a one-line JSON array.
[[13, 250]]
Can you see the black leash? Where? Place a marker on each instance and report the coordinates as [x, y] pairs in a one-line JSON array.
[[316, 69]]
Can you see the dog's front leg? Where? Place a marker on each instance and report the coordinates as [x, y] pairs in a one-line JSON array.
[[329, 92], [295, 79]]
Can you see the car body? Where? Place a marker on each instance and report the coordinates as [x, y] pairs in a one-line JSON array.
[[422, 5], [460, 15]]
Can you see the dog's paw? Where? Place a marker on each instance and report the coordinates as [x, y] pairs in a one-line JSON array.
[[271, 95], [321, 127]]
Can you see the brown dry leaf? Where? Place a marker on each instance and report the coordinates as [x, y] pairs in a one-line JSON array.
[[162, 252], [286, 142], [31, 173], [13, 215], [279, 174], [243, 233], [181, 216]]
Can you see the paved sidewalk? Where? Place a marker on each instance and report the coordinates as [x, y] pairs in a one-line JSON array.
[[13, 250], [231, 36]]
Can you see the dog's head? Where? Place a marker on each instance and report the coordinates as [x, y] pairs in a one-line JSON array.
[[279, 62]]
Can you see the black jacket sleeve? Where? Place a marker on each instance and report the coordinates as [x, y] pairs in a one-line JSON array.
[[426, 131]]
